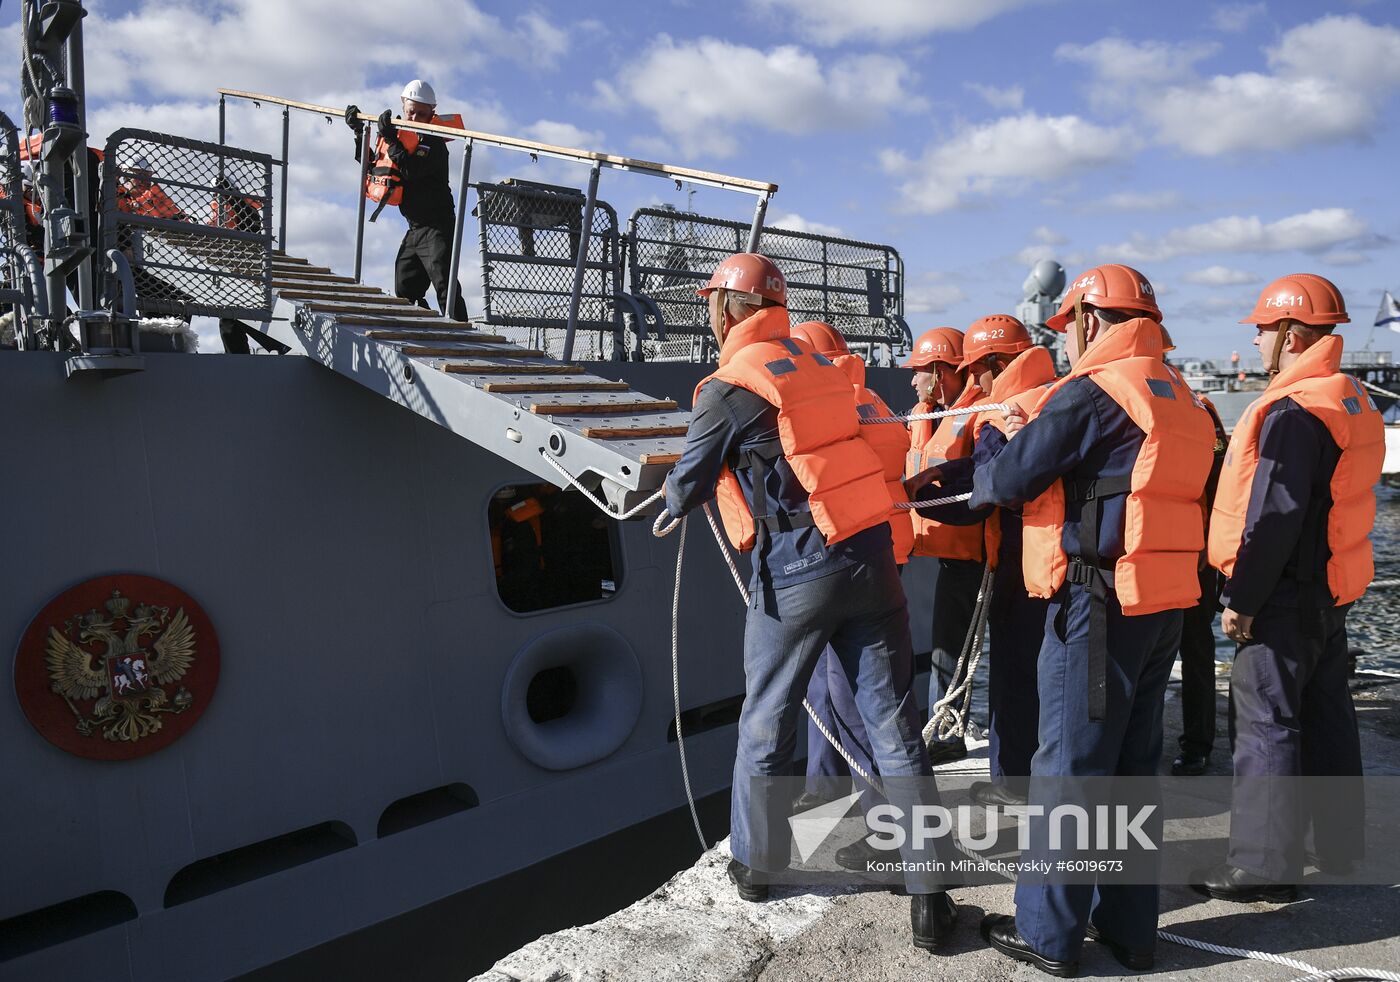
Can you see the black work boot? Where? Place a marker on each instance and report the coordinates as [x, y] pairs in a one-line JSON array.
[[1226, 882], [1190, 763], [999, 931], [946, 753], [998, 793], [932, 917], [747, 882], [1136, 961]]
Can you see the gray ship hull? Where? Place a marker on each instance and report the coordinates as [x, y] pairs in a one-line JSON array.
[[339, 544]]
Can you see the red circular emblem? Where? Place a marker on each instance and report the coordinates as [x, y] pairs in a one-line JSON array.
[[117, 667]]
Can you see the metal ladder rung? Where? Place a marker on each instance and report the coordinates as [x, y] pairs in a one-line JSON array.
[[505, 368], [467, 351], [464, 334], [601, 408]]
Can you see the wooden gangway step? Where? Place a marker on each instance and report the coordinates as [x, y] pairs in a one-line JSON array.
[[508, 398]]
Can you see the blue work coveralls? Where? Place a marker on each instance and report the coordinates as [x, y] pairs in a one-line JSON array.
[[1016, 620], [805, 595], [1083, 435], [1291, 712]]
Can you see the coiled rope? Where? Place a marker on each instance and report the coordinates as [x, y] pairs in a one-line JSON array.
[[946, 718]]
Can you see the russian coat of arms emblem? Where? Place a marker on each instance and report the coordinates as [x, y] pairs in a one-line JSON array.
[[131, 660]]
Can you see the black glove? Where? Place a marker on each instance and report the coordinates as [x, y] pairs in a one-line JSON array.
[[388, 132], [352, 117]]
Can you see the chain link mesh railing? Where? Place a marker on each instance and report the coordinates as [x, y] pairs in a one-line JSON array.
[[530, 238], [856, 287], [194, 220]]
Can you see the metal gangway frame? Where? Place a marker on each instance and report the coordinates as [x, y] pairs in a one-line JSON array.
[[194, 221], [855, 286], [597, 163]]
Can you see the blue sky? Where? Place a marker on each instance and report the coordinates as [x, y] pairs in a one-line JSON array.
[[1213, 145]]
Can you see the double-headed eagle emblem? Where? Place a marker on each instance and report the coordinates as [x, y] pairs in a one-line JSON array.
[[145, 648]]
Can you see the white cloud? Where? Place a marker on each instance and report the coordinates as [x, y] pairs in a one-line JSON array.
[[1343, 257], [1118, 62], [1328, 81], [1139, 201], [1219, 276], [292, 49], [1004, 156], [887, 21], [693, 87], [796, 223], [1011, 97], [932, 298], [1311, 231], [1043, 246], [1231, 18], [565, 135]]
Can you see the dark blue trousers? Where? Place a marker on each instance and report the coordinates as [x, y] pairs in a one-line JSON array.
[[860, 611], [1052, 916], [954, 598], [1291, 715], [1016, 623], [835, 705]]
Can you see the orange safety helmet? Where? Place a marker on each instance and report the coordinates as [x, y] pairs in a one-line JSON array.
[[825, 338], [995, 334], [1111, 285], [937, 344], [751, 273], [1302, 297]]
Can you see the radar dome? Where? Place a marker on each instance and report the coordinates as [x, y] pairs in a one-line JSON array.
[[1047, 279]]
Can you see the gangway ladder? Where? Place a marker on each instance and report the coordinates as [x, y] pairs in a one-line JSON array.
[[508, 399]]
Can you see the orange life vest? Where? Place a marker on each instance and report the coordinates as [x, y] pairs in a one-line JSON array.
[[890, 441], [1316, 383], [1163, 533], [1021, 384], [934, 442], [383, 180], [223, 210], [819, 434], [151, 201]]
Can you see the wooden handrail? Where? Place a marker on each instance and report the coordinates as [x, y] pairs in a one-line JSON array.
[[760, 188]]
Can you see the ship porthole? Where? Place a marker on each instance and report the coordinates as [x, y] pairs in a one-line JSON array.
[[572, 696]]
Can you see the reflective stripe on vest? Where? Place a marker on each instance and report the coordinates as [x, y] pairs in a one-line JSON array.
[[935, 442], [818, 430], [383, 180], [1338, 401], [1163, 533]]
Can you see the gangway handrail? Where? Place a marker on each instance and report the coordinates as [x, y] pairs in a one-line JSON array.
[[761, 190], [672, 171]]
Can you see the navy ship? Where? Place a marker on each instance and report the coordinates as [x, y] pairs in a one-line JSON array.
[[330, 637]]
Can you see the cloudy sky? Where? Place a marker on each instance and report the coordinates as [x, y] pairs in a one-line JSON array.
[[1213, 145]]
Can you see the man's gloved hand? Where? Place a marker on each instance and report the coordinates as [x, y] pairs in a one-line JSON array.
[[387, 130], [352, 117]]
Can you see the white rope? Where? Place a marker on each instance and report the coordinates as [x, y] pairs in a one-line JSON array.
[[1314, 973], [676, 687], [945, 719], [1378, 390], [929, 502], [593, 497], [986, 407], [1383, 584]]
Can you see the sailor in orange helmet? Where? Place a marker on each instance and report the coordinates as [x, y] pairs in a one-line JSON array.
[[829, 692], [1116, 447], [1009, 369], [1293, 512], [775, 436], [941, 382]]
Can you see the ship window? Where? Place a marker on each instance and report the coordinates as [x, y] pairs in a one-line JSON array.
[[247, 863], [63, 922], [551, 548], [426, 806]]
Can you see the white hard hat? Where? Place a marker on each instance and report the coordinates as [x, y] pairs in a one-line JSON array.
[[420, 91]]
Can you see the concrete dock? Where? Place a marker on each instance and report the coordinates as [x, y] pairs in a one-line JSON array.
[[695, 927]]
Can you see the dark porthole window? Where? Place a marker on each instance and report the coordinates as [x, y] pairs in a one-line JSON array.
[[551, 548]]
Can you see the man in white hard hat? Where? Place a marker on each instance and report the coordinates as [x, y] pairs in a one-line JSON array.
[[410, 170]]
